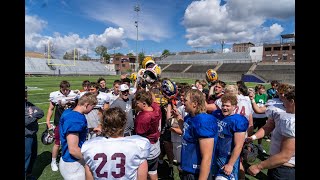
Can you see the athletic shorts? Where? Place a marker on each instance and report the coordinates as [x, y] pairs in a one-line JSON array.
[[259, 122], [71, 170], [153, 164], [56, 136], [166, 136]]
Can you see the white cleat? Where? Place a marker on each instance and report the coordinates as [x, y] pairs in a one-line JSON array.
[[54, 166]]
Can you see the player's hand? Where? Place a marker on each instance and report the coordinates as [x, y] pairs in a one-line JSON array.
[[253, 170], [50, 126], [227, 169], [251, 95], [97, 130], [248, 140]]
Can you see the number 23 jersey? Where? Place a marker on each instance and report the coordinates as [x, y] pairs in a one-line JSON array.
[[115, 158]]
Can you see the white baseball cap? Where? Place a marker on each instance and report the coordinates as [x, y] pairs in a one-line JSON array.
[[124, 87]]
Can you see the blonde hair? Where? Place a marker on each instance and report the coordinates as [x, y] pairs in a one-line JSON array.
[[231, 89], [197, 96], [89, 98]]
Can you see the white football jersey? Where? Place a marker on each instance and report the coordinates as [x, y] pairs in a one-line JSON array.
[[244, 106], [102, 98], [111, 97], [274, 105], [57, 96], [115, 158]]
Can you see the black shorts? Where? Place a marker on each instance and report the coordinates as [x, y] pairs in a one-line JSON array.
[[166, 135], [153, 164], [259, 122]]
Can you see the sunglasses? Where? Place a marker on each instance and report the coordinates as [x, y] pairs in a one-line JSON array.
[[126, 91]]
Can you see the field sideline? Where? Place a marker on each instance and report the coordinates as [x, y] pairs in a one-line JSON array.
[[39, 89]]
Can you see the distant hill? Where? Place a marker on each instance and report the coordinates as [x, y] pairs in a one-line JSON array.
[[35, 55]]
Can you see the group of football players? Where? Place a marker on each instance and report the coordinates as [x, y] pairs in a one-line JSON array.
[[206, 132]]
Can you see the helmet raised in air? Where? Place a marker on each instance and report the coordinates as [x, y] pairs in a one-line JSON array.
[[147, 61], [211, 75], [169, 89]]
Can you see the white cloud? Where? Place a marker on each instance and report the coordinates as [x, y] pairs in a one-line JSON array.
[[207, 22], [153, 18], [111, 38], [33, 24]]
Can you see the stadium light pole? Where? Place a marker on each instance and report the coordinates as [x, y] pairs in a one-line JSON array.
[[137, 9], [222, 44]]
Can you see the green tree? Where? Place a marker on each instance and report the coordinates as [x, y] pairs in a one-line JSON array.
[[140, 58], [71, 55], [118, 54], [101, 51], [85, 57], [130, 54], [106, 58], [210, 51], [165, 52]]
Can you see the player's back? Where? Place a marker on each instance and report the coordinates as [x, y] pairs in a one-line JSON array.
[[115, 158], [244, 106]]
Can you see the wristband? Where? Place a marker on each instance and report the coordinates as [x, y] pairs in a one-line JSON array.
[[253, 101], [254, 137]]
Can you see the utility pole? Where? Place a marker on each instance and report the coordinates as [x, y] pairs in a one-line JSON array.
[[137, 9], [222, 44]]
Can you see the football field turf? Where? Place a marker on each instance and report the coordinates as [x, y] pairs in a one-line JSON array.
[[39, 90]]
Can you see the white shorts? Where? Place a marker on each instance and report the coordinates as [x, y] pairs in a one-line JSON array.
[[221, 178], [176, 146], [72, 170]]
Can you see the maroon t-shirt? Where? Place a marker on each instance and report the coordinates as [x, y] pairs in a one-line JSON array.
[[147, 123]]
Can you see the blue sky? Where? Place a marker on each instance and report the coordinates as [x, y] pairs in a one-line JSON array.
[[176, 25]]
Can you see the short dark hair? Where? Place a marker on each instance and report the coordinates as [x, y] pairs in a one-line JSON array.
[[125, 80], [85, 83], [100, 79]]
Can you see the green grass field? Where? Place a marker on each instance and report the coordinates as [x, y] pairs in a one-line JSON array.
[[39, 89]]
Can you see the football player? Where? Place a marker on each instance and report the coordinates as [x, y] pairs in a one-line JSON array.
[[73, 133], [232, 130], [114, 156], [59, 102]]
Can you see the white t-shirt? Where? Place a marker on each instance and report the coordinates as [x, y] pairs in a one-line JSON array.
[[115, 158], [284, 127]]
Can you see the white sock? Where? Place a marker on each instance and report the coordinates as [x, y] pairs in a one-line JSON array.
[[54, 160]]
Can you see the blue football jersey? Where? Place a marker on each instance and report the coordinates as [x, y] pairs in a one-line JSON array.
[[227, 127], [71, 122], [200, 126]]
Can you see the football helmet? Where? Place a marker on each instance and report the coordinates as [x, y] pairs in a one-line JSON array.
[[250, 152], [47, 136], [133, 77], [152, 73], [140, 73], [169, 89], [211, 75], [147, 61]]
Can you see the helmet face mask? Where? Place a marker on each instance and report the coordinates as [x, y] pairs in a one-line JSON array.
[[211, 75], [152, 73], [169, 89], [47, 136], [147, 61], [250, 152]]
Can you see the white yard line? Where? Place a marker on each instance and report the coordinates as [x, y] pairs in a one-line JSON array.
[[42, 103]]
